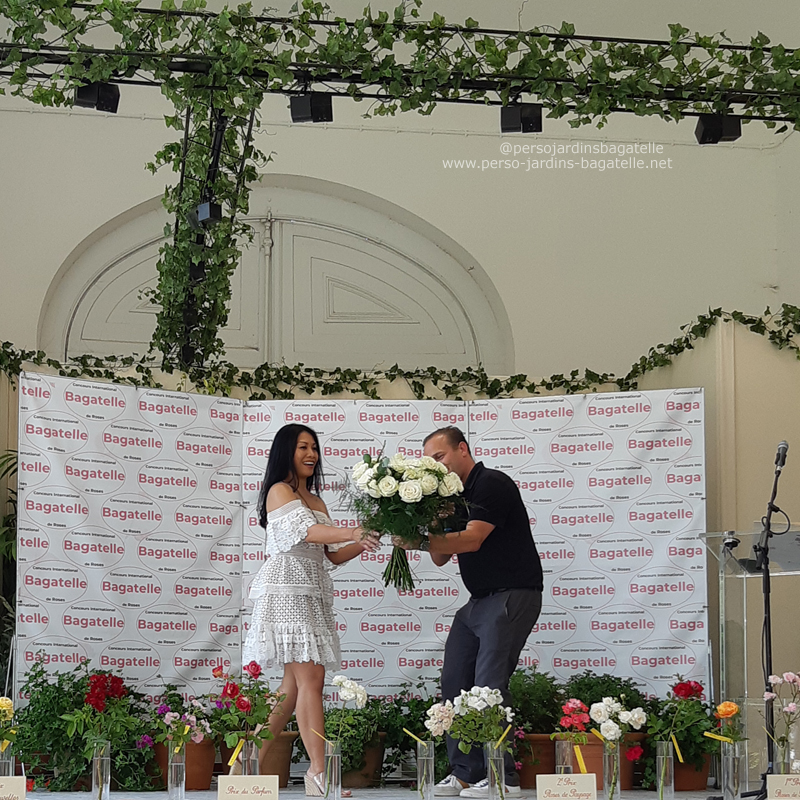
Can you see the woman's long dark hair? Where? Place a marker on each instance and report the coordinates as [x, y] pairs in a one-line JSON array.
[[280, 466]]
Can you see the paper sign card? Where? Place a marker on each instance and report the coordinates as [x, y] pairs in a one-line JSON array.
[[246, 786], [12, 788], [783, 787], [566, 787]]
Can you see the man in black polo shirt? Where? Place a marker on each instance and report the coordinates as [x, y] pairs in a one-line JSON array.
[[501, 569]]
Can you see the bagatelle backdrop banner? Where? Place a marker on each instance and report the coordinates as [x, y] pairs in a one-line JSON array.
[[138, 537]]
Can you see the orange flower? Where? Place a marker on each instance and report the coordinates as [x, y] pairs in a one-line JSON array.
[[726, 710]]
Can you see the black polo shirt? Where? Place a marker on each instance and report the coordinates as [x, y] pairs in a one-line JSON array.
[[507, 559]]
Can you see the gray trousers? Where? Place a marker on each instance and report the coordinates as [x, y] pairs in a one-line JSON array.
[[484, 643]]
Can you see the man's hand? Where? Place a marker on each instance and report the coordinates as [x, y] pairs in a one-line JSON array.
[[406, 544]]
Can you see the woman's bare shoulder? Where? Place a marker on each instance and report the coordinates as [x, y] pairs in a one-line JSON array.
[[279, 495]]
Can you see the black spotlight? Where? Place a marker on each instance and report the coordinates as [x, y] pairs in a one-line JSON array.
[[311, 107], [209, 213], [713, 128], [102, 96], [521, 118]]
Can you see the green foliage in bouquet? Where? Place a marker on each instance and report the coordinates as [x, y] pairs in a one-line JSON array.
[[408, 498], [591, 688]]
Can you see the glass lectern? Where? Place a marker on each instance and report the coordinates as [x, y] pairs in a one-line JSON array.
[[741, 617]]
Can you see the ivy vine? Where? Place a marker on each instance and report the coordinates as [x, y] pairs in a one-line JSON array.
[[215, 69], [280, 381]]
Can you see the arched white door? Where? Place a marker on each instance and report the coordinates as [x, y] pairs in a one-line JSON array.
[[333, 277]]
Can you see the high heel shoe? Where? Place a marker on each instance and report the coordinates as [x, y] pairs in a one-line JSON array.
[[315, 784]]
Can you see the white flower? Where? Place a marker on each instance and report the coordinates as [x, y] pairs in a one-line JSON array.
[[610, 730], [364, 478], [509, 714], [350, 690], [775, 680], [440, 719], [387, 486], [412, 463], [397, 462], [441, 468], [624, 717], [450, 485], [358, 470], [410, 491], [429, 483], [598, 712], [638, 718], [413, 473], [372, 489], [428, 463]]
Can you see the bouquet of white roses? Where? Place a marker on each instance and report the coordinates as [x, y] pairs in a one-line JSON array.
[[615, 721], [405, 497]]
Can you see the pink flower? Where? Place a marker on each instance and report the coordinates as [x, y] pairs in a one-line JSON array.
[[517, 765], [197, 737], [791, 708], [519, 733], [775, 680], [790, 677], [769, 695], [253, 669]]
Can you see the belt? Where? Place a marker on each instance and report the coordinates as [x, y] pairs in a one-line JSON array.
[[488, 593]]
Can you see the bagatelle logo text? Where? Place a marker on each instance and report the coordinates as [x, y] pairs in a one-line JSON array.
[[138, 535]]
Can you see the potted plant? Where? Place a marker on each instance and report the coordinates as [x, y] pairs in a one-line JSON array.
[[591, 688], [407, 711], [685, 715], [356, 731], [243, 708], [536, 698], [178, 723]]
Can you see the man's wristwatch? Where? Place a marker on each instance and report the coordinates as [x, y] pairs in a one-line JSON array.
[[425, 544]]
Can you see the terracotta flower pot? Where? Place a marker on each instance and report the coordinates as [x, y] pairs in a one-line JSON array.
[[370, 774], [690, 779], [592, 753], [199, 763], [538, 757]]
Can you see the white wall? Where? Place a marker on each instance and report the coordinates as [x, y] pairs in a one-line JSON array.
[[593, 267]]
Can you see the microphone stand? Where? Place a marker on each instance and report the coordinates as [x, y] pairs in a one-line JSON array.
[[762, 563]]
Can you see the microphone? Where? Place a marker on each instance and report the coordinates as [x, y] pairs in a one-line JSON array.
[[780, 457]]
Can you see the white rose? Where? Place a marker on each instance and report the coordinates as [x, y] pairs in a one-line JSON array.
[[441, 468], [372, 489], [410, 491], [365, 477], [598, 712], [429, 483], [412, 473], [638, 718], [397, 462], [428, 463], [387, 486], [624, 717], [358, 470], [611, 731], [412, 463], [450, 485]]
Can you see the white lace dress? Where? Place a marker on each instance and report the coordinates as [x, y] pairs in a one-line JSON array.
[[293, 613]]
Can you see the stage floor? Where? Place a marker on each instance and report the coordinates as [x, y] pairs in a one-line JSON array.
[[388, 793]]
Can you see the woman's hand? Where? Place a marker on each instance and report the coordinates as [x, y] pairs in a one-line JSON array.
[[369, 541]]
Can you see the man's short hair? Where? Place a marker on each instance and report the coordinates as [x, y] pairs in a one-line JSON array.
[[452, 434]]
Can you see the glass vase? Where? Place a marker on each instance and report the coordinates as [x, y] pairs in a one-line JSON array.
[[611, 769], [781, 765], [249, 756], [731, 770], [495, 770], [176, 771], [101, 770], [6, 760], [564, 755], [333, 770], [665, 771], [425, 770]]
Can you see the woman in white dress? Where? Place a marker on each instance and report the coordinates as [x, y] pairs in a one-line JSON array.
[[293, 623]]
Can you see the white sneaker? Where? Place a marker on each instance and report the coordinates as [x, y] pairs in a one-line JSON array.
[[448, 787], [481, 789]]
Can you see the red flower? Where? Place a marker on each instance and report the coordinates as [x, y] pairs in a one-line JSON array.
[[688, 690], [230, 689], [243, 704], [253, 669], [634, 753], [29, 785], [116, 687], [217, 672]]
